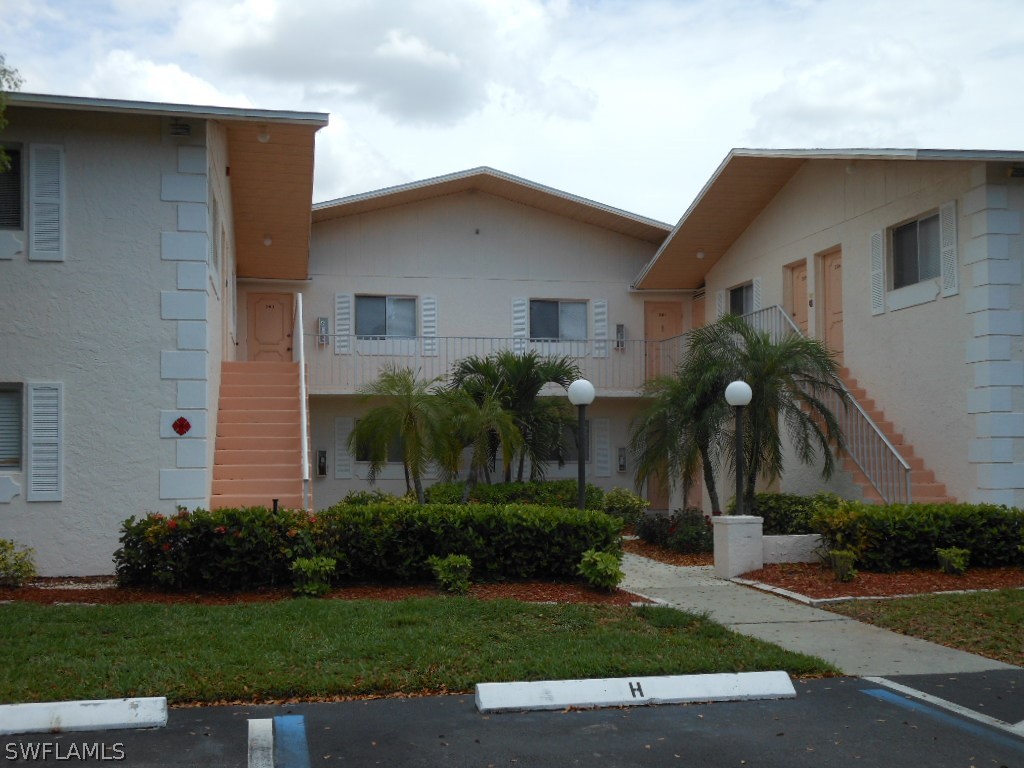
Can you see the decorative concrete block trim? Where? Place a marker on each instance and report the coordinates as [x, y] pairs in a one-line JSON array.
[[985, 196], [183, 188], [986, 297], [184, 246], [1000, 476], [738, 545], [183, 483], [192, 394], [193, 334], [791, 549], [93, 715], [988, 348], [999, 425], [999, 374], [987, 247], [191, 276], [183, 365], [192, 159], [193, 217], [996, 272], [183, 305], [632, 691], [995, 222], [8, 489], [990, 400], [196, 427], [999, 322], [990, 450], [190, 454], [1009, 498], [11, 245]]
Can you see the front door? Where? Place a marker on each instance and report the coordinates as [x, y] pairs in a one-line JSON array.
[[270, 326], [662, 320], [832, 307], [798, 294]]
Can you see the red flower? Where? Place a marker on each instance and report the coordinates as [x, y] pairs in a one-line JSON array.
[[166, 547], [172, 524], [312, 519], [221, 529]]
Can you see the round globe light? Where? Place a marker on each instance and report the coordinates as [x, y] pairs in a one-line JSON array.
[[738, 393], [581, 392]]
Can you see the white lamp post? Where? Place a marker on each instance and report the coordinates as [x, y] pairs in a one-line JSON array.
[[738, 395], [581, 394]]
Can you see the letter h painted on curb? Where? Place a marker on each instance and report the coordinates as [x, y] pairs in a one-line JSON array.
[[636, 690]]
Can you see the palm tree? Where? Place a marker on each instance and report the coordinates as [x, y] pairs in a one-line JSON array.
[[790, 378], [412, 413], [515, 381], [474, 425], [688, 424]]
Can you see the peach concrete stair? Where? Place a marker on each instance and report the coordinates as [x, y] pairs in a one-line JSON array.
[[258, 455], [924, 487]]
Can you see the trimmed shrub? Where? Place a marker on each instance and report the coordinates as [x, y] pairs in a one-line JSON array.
[[899, 536], [788, 514], [625, 505], [601, 569], [549, 493], [312, 575], [452, 572], [685, 530], [16, 566], [842, 562], [953, 560]]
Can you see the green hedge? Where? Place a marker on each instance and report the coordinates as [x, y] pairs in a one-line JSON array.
[[550, 493], [889, 538], [246, 548], [788, 514]]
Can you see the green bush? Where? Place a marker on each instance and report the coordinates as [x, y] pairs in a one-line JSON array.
[[601, 569], [548, 493], [16, 566], [685, 530], [788, 514], [363, 498], [842, 562], [246, 548], [899, 536], [625, 505], [452, 572], [311, 576], [953, 560]]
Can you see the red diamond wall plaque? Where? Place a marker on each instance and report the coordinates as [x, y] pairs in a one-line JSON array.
[[181, 425]]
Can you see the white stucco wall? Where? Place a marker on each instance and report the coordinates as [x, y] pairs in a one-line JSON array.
[[122, 323], [912, 361]]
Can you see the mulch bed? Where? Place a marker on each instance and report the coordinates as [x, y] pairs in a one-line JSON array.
[[103, 590], [817, 581], [654, 552]]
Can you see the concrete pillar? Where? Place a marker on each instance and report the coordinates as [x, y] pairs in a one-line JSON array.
[[738, 546]]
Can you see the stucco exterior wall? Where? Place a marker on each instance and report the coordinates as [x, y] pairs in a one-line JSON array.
[[93, 322], [911, 360]]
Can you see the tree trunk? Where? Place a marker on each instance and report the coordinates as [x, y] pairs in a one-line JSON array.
[[522, 465], [420, 496], [709, 482], [408, 483], [467, 490]]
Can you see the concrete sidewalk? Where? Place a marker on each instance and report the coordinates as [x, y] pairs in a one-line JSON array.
[[855, 648]]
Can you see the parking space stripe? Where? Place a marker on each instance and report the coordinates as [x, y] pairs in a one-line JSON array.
[[919, 706], [261, 743], [290, 747]]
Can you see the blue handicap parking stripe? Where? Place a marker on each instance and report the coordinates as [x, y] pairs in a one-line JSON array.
[[290, 747], [944, 717]]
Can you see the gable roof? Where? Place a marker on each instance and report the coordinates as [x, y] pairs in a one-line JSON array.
[[270, 154], [499, 184], [740, 189]]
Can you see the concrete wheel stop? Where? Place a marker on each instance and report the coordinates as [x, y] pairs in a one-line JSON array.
[[632, 691], [95, 715]]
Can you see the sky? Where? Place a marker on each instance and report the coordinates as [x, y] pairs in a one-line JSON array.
[[631, 103]]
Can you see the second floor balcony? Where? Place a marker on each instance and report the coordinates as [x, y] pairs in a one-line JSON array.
[[343, 365]]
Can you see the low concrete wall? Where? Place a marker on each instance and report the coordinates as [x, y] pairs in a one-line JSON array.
[[738, 544], [791, 549]]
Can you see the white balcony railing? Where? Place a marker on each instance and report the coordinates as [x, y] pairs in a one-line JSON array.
[[614, 368]]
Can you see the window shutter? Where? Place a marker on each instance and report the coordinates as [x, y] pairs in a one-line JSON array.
[[877, 274], [755, 291], [602, 447], [948, 249], [600, 328], [520, 324], [45, 427], [343, 426], [719, 305], [428, 325], [10, 429], [46, 203], [343, 323]]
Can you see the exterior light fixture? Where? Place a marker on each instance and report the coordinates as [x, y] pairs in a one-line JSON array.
[[581, 394], [738, 394]]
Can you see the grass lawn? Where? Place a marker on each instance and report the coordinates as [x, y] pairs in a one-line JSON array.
[[986, 623], [332, 648]]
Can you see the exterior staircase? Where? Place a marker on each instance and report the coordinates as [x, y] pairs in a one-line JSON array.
[[924, 488], [258, 455]]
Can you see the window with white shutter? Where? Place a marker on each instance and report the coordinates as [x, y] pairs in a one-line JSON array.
[[11, 192], [46, 202], [45, 441], [10, 427]]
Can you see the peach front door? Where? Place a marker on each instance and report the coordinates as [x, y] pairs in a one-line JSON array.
[[798, 292], [832, 307], [270, 326], [662, 320]]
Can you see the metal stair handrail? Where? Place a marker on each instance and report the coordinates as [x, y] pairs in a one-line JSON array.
[[873, 452], [299, 356]]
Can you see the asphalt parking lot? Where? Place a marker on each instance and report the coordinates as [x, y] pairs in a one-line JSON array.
[[832, 722]]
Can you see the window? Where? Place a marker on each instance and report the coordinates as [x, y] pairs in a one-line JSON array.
[[385, 317], [741, 300], [571, 455], [10, 192], [10, 427], [558, 320], [916, 251], [396, 452]]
